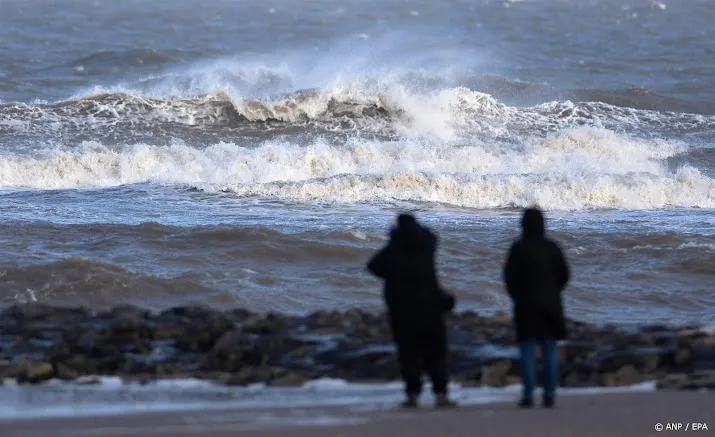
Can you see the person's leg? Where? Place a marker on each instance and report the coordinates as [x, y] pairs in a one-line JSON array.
[[551, 371], [411, 371], [526, 349], [436, 368]]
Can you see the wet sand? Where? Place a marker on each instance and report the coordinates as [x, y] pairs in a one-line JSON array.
[[611, 415]]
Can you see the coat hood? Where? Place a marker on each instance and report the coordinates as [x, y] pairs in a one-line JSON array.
[[532, 223], [411, 236]]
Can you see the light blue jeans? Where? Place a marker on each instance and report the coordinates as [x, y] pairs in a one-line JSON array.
[[528, 367]]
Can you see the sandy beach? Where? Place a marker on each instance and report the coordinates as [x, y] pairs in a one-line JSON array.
[[610, 415]]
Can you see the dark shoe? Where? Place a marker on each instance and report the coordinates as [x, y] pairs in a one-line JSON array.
[[526, 403], [548, 402], [442, 401], [410, 402]]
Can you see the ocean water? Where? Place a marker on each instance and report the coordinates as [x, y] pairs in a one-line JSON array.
[[263, 406], [254, 154]]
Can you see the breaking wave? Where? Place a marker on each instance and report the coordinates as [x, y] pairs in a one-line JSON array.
[[406, 137], [452, 113], [581, 168]]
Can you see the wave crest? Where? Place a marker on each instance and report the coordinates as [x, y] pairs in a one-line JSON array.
[[575, 169], [449, 114]]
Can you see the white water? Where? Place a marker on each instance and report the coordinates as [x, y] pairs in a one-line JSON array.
[[577, 169], [113, 397]]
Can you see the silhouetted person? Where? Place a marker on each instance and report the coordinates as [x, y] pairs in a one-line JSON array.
[[536, 273], [416, 307]]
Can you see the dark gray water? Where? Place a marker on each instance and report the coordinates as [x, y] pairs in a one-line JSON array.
[[254, 153]]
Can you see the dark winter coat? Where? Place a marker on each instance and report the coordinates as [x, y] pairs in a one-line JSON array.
[[415, 301], [535, 274]]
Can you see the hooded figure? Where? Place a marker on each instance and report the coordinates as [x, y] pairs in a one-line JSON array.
[[535, 274], [416, 306]]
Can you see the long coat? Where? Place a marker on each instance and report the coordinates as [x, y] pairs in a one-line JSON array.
[[415, 301], [535, 273]]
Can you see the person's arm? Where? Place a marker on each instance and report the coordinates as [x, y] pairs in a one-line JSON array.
[[379, 264]]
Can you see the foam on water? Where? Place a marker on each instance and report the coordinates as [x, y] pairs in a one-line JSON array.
[[415, 103], [577, 169], [449, 114], [112, 397]]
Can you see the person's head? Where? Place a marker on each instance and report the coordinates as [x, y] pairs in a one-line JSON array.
[[410, 233], [532, 222], [406, 221]]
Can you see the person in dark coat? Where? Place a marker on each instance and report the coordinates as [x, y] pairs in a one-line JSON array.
[[416, 307], [535, 273]]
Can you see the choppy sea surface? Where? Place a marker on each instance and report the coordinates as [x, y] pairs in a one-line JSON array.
[[254, 154]]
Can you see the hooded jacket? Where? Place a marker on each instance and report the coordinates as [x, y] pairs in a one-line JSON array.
[[407, 266], [535, 273]]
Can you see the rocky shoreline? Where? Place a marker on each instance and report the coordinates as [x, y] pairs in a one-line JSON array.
[[39, 343]]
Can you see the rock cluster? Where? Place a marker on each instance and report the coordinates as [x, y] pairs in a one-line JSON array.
[[38, 343]]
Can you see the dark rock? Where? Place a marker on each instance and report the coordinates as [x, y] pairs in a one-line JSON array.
[[89, 342], [469, 378], [374, 362], [501, 318], [372, 332], [239, 315], [326, 322], [289, 379], [192, 329], [496, 373], [627, 375], [573, 379], [683, 357], [37, 372], [126, 316], [645, 360], [238, 350], [576, 351], [250, 375], [355, 315], [703, 354], [8, 370], [173, 330], [264, 324], [693, 381], [80, 364], [241, 347], [228, 342], [245, 376], [66, 373], [186, 313]]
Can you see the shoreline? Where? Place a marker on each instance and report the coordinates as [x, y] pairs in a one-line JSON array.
[[109, 397], [608, 415], [238, 348]]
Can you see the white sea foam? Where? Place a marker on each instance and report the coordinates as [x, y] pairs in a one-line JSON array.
[[113, 398], [572, 170], [693, 245]]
